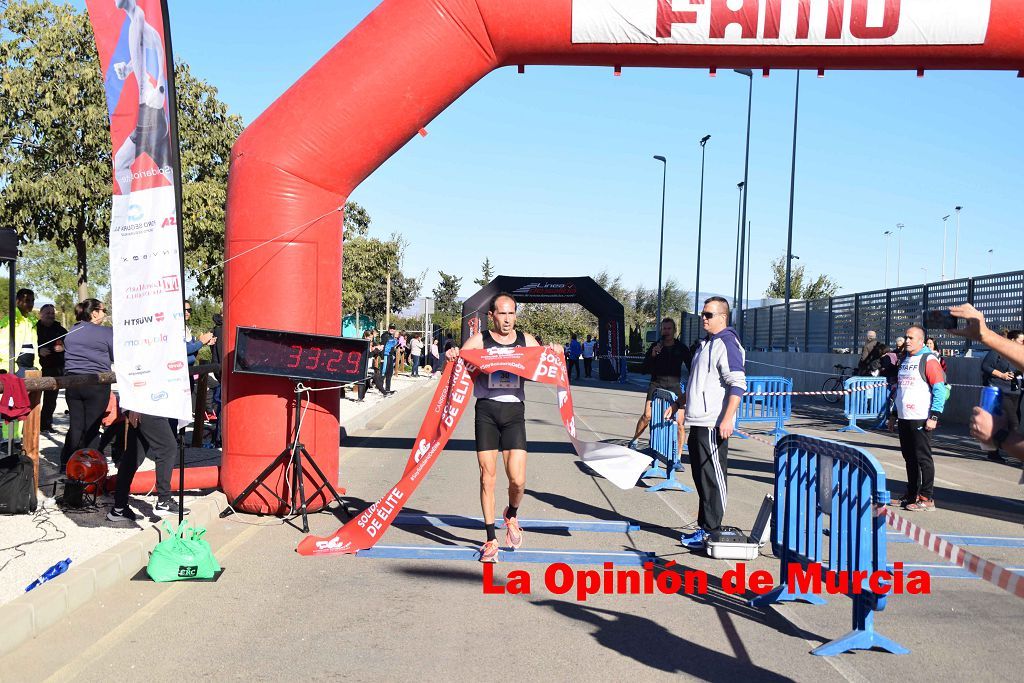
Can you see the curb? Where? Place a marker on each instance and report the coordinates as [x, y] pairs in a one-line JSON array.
[[26, 617], [376, 418]]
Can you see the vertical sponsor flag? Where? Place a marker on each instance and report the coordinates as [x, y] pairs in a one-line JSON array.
[[146, 277]]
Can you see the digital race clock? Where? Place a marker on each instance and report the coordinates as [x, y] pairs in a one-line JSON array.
[[298, 355]]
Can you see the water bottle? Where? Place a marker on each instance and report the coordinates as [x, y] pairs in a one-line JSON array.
[[990, 401]]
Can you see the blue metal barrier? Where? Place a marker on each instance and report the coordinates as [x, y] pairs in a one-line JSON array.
[[664, 434], [865, 404], [777, 409], [815, 479], [623, 371]]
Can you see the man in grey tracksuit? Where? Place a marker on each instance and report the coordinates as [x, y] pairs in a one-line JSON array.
[[713, 395]]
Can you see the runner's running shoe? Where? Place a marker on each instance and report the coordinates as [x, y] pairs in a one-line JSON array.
[[513, 532], [489, 552], [697, 540]]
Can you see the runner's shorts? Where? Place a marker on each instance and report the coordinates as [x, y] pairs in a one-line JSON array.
[[666, 383], [500, 425]]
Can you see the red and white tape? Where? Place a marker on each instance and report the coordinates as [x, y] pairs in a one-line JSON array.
[[838, 392], [989, 571]]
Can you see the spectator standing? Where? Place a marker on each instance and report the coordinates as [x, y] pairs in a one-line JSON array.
[[402, 351], [434, 359], [664, 362], [377, 380], [192, 343], [416, 353], [998, 372], [50, 339], [920, 398], [389, 340], [992, 431], [589, 348], [575, 351], [26, 357], [871, 356], [713, 394], [154, 437], [88, 350]]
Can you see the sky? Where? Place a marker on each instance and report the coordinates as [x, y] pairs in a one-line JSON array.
[[550, 173]]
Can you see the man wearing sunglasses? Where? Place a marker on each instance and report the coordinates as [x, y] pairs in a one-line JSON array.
[[713, 395]]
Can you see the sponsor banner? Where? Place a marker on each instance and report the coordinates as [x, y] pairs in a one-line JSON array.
[[618, 464], [543, 290], [145, 262], [782, 22]]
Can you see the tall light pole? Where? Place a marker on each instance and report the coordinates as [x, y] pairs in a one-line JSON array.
[[944, 219], [899, 253], [700, 223], [885, 236], [746, 187], [792, 191], [661, 243], [956, 249], [739, 229], [750, 238]]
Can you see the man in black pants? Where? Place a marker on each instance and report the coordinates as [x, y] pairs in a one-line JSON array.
[[389, 357], [500, 424], [155, 436], [664, 362], [50, 342], [377, 380]]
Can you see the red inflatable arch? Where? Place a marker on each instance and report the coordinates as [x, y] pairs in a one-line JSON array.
[[296, 164]]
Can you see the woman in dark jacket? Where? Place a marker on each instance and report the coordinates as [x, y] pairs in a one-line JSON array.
[[88, 350]]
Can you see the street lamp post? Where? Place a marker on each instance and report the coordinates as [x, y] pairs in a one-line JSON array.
[[885, 236], [792, 190], [899, 253], [956, 249], [661, 243], [739, 229], [746, 187], [944, 219], [700, 224]]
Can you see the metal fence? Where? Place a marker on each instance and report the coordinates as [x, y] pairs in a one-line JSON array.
[[840, 324]]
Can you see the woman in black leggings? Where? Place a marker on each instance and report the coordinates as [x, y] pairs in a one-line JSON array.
[[88, 350]]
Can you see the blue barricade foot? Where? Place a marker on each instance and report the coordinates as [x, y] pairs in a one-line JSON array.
[[784, 594], [669, 484], [859, 640]]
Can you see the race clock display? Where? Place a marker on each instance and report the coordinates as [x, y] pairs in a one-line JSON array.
[[298, 355]]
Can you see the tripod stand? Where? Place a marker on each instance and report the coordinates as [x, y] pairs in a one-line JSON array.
[[291, 459]]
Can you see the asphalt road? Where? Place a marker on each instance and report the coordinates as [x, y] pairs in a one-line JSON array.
[[274, 615]]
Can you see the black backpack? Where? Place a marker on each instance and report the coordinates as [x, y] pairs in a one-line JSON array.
[[17, 485]]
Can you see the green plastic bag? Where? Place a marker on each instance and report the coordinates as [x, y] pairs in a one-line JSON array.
[[182, 555]]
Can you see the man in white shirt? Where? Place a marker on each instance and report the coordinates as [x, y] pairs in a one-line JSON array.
[[589, 347]]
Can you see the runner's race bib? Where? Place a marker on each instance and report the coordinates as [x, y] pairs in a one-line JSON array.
[[503, 380]]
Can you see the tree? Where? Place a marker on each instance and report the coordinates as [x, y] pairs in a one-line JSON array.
[[555, 323], [53, 274], [821, 287], [446, 295], [55, 148], [486, 273], [366, 264], [357, 221]]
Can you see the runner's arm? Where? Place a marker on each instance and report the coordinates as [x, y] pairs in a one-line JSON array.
[[530, 339]]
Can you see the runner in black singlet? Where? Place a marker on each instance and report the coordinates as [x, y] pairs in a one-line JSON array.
[[500, 424]]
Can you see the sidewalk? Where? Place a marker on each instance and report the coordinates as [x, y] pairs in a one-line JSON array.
[[30, 544]]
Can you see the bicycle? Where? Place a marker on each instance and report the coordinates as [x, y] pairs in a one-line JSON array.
[[836, 383]]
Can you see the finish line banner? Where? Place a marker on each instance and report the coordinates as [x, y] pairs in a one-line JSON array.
[[145, 263], [618, 464]]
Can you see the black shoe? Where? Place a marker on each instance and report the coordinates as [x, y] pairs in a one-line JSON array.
[[168, 506], [124, 514], [996, 456]]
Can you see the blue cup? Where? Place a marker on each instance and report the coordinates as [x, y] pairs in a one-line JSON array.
[[990, 401]]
